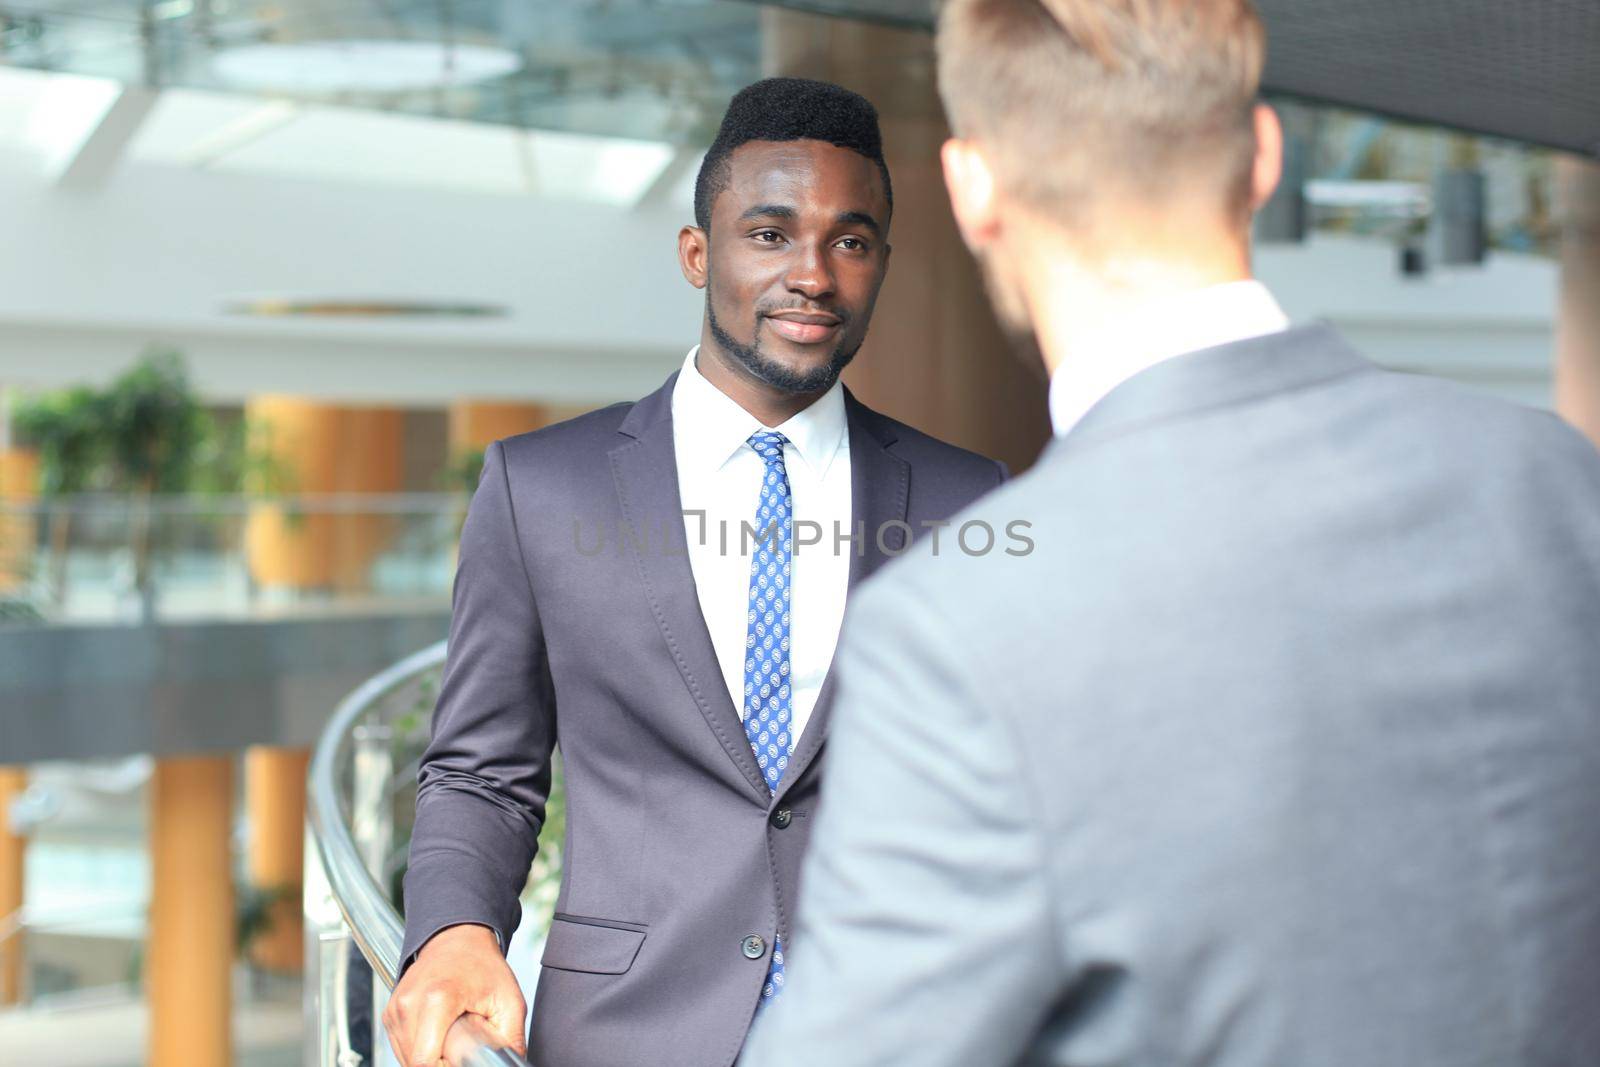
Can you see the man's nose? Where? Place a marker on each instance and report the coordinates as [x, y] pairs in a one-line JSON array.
[[809, 274]]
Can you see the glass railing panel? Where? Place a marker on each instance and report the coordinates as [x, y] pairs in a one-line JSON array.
[[362, 800], [115, 558], [81, 932]]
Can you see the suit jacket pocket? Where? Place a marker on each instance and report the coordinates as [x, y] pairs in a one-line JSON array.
[[597, 946]]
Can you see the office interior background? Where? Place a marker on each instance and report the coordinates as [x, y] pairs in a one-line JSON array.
[[272, 274]]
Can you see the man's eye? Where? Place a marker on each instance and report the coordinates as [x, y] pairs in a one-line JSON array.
[[852, 244], [767, 236]]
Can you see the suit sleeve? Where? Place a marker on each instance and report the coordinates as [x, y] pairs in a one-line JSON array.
[[924, 932], [485, 776]]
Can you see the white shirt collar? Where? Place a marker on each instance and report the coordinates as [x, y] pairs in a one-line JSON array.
[[714, 427], [1172, 326]]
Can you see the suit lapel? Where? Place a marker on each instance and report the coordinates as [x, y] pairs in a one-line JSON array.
[[880, 484], [645, 469]]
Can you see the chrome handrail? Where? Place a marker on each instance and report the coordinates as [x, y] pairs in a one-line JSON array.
[[373, 924]]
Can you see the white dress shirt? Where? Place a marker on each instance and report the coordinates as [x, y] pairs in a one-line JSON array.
[[720, 475], [1172, 326]]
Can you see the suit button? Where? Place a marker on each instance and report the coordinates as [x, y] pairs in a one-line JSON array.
[[753, 947], [782, 818]]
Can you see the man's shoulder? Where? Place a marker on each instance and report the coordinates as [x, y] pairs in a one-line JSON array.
[[593, 429], [597, 425], [564, 458], [1486, 435]]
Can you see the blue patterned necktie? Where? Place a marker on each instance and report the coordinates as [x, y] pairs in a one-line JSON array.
[[767, 708]]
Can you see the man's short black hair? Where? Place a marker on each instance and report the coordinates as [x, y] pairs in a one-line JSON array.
[[789, 109]]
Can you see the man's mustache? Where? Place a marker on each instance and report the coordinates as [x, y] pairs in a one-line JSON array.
[[764, 310]]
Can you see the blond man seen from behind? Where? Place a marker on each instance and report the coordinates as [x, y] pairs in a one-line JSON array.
[[1282, 745]]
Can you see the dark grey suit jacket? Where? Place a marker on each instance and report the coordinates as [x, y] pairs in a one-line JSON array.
[[1281, 748], [676, 853]]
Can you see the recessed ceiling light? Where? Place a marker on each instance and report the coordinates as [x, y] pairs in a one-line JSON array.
[[371, 66]]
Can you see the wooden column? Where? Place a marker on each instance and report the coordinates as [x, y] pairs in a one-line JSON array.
[[323, 448], [19, 484], [190, 959], [475, 424], [288, 549], [370, 459], [1577, 374], [275, 803], [13, 780], [934, 357]]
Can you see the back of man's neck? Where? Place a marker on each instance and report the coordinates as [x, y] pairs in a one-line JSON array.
[[1075, 309]]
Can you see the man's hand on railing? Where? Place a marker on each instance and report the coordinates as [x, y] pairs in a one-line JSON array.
[[458, 972]]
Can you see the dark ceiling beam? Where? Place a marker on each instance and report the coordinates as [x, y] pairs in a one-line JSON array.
[[1526, 70]]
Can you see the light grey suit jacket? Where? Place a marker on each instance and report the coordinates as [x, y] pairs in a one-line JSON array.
[[1281, 748], [565, 625]]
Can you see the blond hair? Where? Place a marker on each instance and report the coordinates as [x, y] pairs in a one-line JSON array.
[[1078, 101]]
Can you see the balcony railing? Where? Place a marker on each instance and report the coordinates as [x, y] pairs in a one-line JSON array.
[[361, 795], [99, 558]]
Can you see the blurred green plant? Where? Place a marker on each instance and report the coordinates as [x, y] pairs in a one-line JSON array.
[[154, 429], [17, 611], [67, 429], [461, 475], [463, 471], [154, 425], [256, 909], [146, 433], [236, 457]]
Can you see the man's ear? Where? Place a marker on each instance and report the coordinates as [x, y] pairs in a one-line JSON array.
[[1268, 165], [970, 182], [694, 249]]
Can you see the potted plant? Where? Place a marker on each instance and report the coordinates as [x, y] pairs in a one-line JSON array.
[[67, 430], [154, 430]]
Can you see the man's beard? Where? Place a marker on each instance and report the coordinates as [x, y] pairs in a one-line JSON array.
[[772, 371], [1011, 312]]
